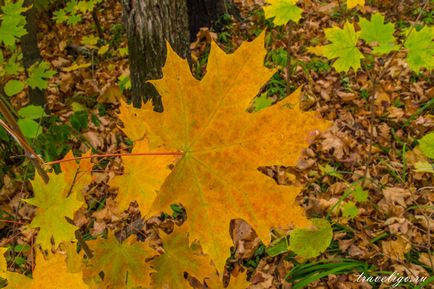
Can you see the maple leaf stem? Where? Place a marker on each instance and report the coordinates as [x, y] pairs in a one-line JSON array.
[[11, 221], [117, 155]]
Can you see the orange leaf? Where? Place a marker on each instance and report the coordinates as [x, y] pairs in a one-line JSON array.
[[153, 169], [217, 179]]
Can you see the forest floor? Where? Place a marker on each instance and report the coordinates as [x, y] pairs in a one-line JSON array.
[[371, 146]]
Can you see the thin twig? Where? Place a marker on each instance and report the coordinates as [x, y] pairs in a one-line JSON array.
[[116, 155]]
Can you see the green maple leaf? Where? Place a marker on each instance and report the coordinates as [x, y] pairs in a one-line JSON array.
[[283, 11], [420, 48], [11, 29], [349, 210], [378, 34], [39, 74], [311, 242], [73, 19], [123, 263], [60, 16], [13, 67], [359, 194], [343, 47], [53, 206], [14, 9]]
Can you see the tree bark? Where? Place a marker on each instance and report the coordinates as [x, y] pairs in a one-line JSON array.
[[149, 24], [202, 13], [30, 49]]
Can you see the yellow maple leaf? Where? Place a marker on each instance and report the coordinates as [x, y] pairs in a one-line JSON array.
[[53, 274], [179, 257], [217, 179], [353, 3], [153, 169], [54, 203], [238, 282]]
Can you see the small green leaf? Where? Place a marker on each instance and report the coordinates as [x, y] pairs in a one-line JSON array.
[[378, 35], [22, 248], [60, 16], [13, 67], [19, 260], [330, 171], [73, 19], [29, 127], [39, 75], [427, 145], [78, 107], [11, 29], [124, 82], [349, 210], [420, 48], [308, 242], [32, 112], [343, 47], [262, 102], [278, 247], [90, 40], [359, 194], [283, 11], [13, 87], [103, 50]]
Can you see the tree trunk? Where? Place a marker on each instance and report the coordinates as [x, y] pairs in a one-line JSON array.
[[30, 49], [149, 24], [202, 13]]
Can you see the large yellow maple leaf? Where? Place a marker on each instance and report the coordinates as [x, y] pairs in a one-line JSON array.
[[216, 179], [153, 169]]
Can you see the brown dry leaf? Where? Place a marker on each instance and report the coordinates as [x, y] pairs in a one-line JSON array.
[[396, 195], [245, 239], [331, 141], [426, 259], [395, 249], [110, 94]]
